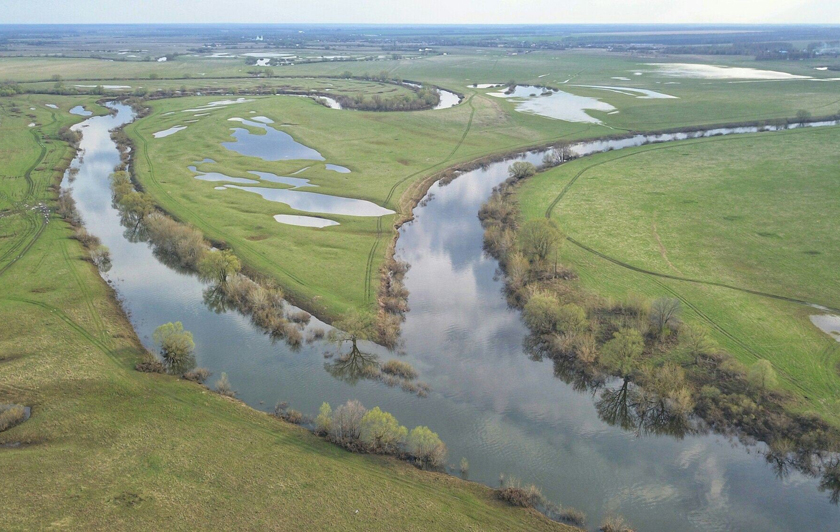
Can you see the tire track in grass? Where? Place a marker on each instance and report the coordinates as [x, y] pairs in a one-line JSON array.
[[86, 296]]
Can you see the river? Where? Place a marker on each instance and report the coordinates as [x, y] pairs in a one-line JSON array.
[[489, 401]]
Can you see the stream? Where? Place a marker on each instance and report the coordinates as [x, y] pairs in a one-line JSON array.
[[489, 402]]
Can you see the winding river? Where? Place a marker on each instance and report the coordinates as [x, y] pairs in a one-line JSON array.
[[490, 402]]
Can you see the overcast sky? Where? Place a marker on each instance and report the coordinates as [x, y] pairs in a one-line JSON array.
[[420, 11]]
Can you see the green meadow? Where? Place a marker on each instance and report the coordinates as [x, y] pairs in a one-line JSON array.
[[732, 226]]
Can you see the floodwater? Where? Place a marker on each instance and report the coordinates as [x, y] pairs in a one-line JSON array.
[[166, 132], [720, 72], [304, 221], [447, 99], [318, 203], [216, 176], [274, 145], [555, 104], [80, 111], [489, 401], [644, 94], [337, 168]]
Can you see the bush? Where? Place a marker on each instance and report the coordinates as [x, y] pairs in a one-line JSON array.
[[762, 375], [381, 432], [426, 446], [621, 354], [299, 316], [346, 422], [516, 495], [542, 313], [150, 366], [400, 369], [521, 170], [199, 375], [615, 523], [573, 516], [223, 386], [11, 415], [176, 347], [323, 423]]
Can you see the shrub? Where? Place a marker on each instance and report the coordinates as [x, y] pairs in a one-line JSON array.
[[615, 523], [11, 415], [176, 346], [217, 266], [381, 431], [400, 369], [426, 446], [521, 170], [223, 386], [542, 313], [516, 495], [199, 375], [573, 516], [762, 375], [323, 423], [665, 314], [150, 366], [315, 334], [346, 422], [299, 316], [621, 354]]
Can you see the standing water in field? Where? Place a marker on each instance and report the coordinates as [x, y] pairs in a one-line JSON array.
[[489, 401]]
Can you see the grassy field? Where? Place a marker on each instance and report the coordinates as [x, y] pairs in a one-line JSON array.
[[108, 447], [756, 212]]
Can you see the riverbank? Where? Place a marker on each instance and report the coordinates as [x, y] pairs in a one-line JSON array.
[[675, 377]]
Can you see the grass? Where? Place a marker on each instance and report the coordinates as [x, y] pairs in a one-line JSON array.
[[108, 447], [756, 212]]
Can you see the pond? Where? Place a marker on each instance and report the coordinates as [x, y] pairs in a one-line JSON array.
[[80, 111], [304, 221], [319, 203], [555, 104], [490, 402], [274, 145]]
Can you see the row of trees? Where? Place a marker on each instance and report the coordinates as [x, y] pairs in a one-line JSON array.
[[376, 431]]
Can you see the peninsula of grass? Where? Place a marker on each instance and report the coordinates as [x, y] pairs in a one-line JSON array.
[[734, 227]]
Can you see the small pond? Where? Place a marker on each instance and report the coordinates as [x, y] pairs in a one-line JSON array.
[[274, 145], [555, 104]]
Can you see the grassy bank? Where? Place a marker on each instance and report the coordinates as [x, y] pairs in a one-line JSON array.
[[107, 447], [756, 213]]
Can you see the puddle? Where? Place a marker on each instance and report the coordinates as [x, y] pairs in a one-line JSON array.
[[263, 119], [205, 160], [828, 324], [216, 176], [620, 78], [106, 87], [166, 132], [555, 104], [80, 111], [332, 103], [51, 105], [691, 70], [212, 105], [320, 203], [447, 99], [31, 124], [304, 221], [486, 85], [337, 168], [643, 94], [273, 146], [296, 182]]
